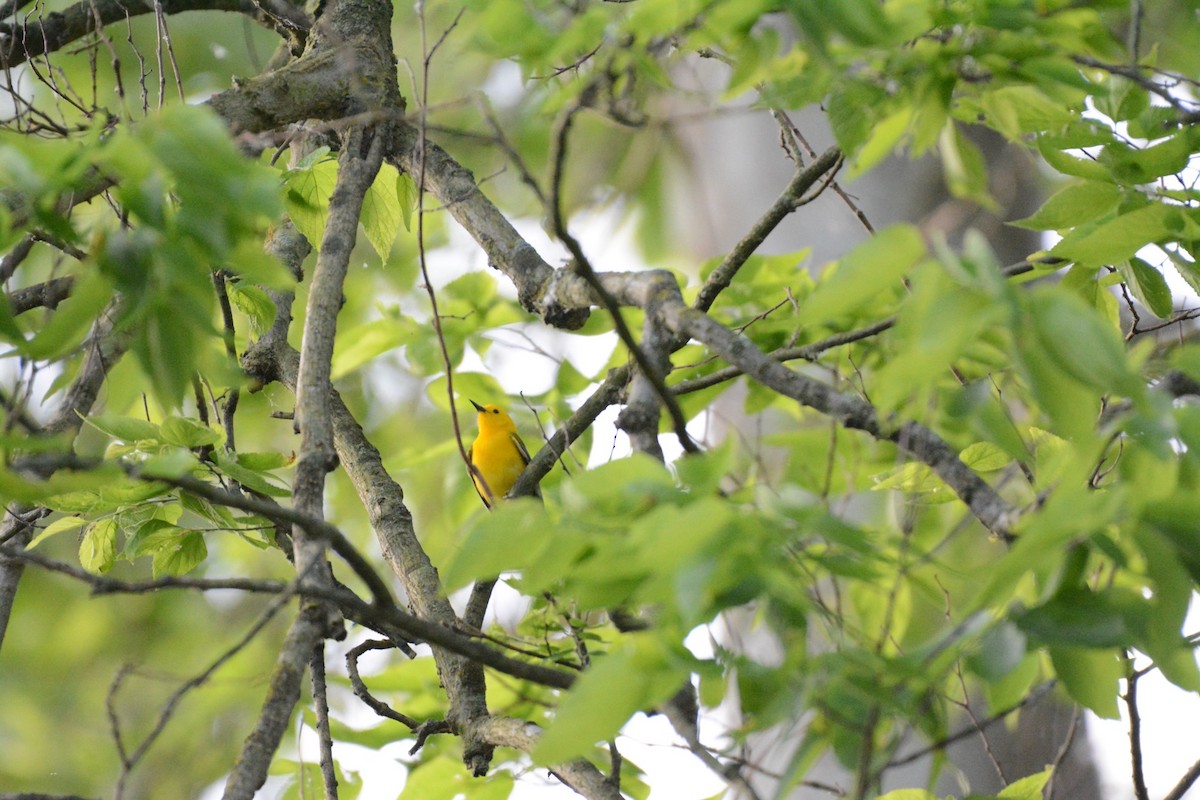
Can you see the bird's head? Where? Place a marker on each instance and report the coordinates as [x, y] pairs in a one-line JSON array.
[[493, 417]]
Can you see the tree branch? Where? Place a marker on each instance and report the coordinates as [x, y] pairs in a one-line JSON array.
[[26, 39], [42, 295], [580, 775], [361, 156], [787, 202], [852, 412], [459, 662], [250, 770]]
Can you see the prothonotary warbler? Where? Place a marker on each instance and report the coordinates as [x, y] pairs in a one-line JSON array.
[[497, 452]]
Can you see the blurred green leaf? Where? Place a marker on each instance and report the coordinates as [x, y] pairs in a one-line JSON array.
[[126, 429], [864, 273], [1091, 677], [604, 699], [70, 322]]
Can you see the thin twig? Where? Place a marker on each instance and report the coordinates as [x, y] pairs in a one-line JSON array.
[[360, 688], [321, 707], [1063, 750], [584, 269], [200, 679], [1136, 764]]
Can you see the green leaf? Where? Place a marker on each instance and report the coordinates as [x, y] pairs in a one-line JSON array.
[[605, 698], [1091, 677], [255, 304], [875, 266], [1070, 165], [1132, 165], [10, 331], [314, 157], [488, 548], [265, 461], [72, 319], [251, 479], [1075, 204], [151, 536], [406, 193], [985, 457], [58, 526], [1185, 267], [1080, 342], [358, 345], [98, 549], [1001, 650], [172, 462], [1012, 688], [1016, 111], [382, 211], [248, 261], [909, 794], [964, 167], [1027, 788], [125, 429], [1148, 286], [188, 433], [438, 778], [910, 477], [884, 140], [307, 198], [167, 350], [181, 556], [1117, 239], [1081, 618]]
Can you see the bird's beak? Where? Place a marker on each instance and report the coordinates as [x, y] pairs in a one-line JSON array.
[[478, 407]]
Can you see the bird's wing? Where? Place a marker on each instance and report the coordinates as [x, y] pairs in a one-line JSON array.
[[516, 440], [474, 480], [524, 453]]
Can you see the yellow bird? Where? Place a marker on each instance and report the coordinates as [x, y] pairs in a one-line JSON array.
[[498, 453]]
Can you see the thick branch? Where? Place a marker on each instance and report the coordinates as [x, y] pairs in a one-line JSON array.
[[250, 771], [359, 162], [580, 775], [461, 675], [47, 33], [315, 86], [852, 412], [455, 187], [42, 295]]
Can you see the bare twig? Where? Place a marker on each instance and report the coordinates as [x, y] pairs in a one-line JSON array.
[[250, 770], [1136, 764], [321, 707], [652, 359], [787, 202], [200, 679], [1185, 782], [364, 694], [1063, 750]]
